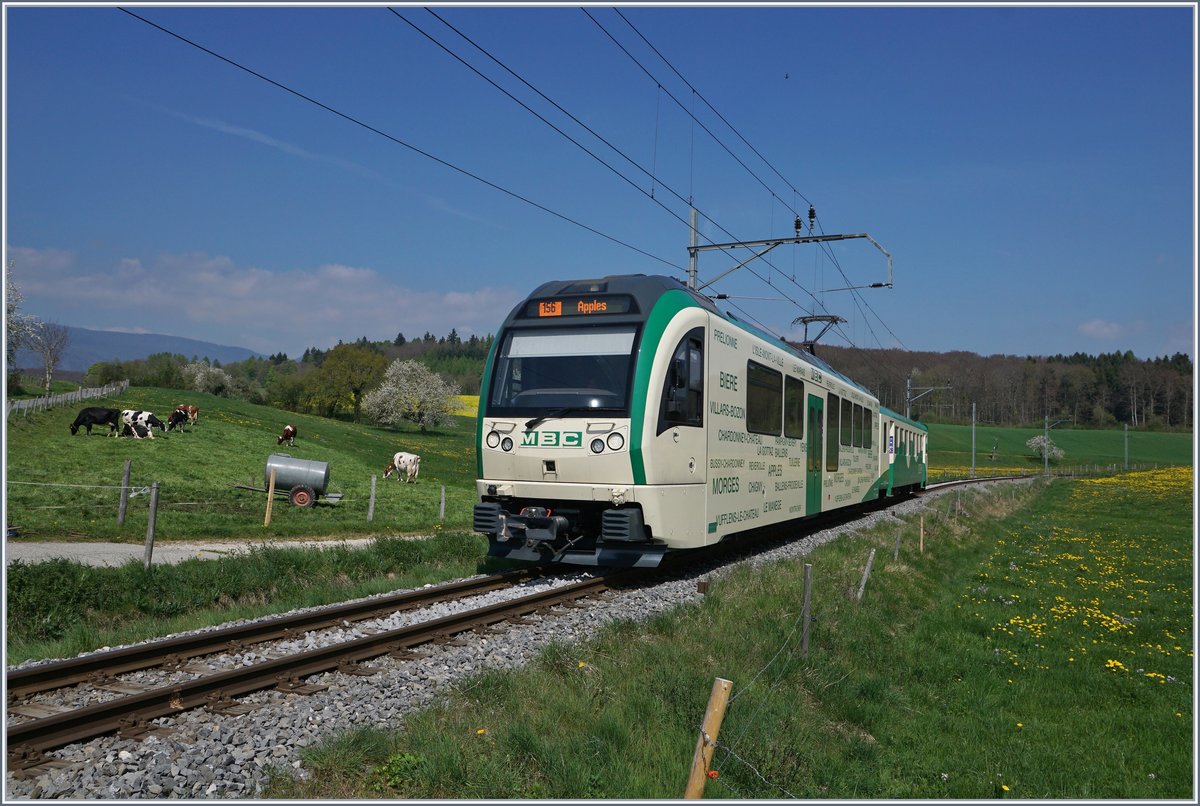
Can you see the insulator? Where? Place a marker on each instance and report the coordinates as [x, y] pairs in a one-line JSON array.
[[812, 214]]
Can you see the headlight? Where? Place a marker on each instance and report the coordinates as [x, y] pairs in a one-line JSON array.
[[597, 445], [507, 444], [615, 441], [493, 439]]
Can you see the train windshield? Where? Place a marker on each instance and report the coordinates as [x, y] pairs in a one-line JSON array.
[[577, 369]]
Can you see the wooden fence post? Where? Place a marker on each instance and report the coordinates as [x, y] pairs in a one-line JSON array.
[[150, 526], [124, 494], [896, 552], [806, 610], [442, 506], [922, 534], [706, 742], [270, 499], [371, 505], [862, 586]]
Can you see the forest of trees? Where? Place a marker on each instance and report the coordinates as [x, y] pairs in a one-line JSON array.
[[1088, 391], [325, 382]]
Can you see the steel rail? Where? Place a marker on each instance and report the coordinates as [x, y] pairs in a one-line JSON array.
[[173, 652], [27, 741]]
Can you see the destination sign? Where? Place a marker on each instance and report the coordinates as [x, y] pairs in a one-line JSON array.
[[578, 306]]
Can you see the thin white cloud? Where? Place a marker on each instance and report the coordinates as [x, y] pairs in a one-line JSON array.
[[212, 298], [284, 146], [1100, 329]]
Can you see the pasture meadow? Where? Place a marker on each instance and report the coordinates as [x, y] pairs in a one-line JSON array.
[[64, 487], [1039, 647]]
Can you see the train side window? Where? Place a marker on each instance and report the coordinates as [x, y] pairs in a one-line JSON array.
[[683, 391], [831, 433], [857, 421], [868, 427], [847, 415], [793, 408], [764, 399]]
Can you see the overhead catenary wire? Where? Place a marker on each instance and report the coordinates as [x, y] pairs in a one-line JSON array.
[[591, 131], [860, 301], [398, 141]]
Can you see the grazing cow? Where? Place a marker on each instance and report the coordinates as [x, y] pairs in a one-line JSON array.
[[288, 435], [144, 418], [96, 416], [192, 412], [177, 418], [409, 463]]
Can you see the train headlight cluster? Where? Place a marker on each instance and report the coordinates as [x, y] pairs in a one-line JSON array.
[[493, 439], [507, 444], [615, 441], [597, 445]]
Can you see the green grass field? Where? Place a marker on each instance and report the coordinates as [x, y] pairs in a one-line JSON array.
[[950, 450], [1039, 648], [64, 487]]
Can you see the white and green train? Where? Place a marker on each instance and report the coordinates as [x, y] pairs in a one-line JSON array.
[[625, 417]]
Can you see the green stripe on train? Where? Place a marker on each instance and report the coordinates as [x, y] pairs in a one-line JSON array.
[[669, 304]]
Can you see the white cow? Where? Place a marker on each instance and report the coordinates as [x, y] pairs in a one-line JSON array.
[[410, 463]]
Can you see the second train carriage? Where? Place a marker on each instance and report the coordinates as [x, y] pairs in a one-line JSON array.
[[623, 417]]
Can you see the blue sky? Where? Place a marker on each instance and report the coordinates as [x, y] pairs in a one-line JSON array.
[[1030, 169]]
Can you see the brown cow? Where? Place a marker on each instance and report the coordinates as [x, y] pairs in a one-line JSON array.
[[288, 435], [192, 412]]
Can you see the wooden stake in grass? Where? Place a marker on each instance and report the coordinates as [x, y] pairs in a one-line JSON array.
[[371, 504], [862, 586], [270, 499], [150, 526], [806, 610], [706, 742], [124, 494], [922, 534]]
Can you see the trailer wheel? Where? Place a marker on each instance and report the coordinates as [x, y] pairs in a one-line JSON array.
[[302, 496]]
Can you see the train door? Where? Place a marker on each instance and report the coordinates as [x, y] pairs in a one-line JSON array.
[[816, 459], [680, 438]]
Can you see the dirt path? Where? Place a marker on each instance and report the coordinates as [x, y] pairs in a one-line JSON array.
[[166, 552]]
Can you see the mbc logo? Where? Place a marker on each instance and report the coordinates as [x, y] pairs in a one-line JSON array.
[[552, 439]]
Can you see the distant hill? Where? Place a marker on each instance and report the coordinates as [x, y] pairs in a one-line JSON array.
[[90, 346]]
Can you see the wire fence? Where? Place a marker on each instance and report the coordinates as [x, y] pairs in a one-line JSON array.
[[63, 399]]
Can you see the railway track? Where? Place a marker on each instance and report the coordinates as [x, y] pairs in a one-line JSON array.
[[131, 715]]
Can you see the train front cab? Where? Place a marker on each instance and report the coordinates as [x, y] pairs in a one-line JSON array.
[[591, 448]]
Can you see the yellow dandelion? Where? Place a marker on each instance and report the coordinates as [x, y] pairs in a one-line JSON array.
[[481, 732], [582, 664], [1004, 787]]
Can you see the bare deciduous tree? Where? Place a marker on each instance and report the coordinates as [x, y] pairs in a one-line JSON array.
[[49, 341]]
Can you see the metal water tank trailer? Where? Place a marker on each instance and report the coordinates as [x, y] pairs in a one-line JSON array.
[[291, 473]]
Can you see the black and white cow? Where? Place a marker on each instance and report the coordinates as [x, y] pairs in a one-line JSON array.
[[145, 419], [136, 430], [96, 416], [179, 418]]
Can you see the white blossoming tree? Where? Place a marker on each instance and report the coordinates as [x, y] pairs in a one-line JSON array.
[[411, 392], [201, 377], [1044, 448]]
